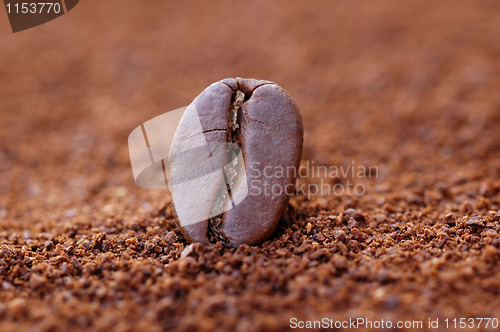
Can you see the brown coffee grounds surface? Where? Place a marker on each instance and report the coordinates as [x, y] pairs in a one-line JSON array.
[[411, 88]]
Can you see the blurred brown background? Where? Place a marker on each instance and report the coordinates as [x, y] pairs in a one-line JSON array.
[[369, 78], [411, 87]]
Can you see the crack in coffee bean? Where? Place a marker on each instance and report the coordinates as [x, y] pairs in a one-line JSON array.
[[214, 231]]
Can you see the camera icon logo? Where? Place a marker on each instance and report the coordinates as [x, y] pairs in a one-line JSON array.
[[205, 180]]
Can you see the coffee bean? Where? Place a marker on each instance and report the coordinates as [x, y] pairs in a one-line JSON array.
[[234, 157]]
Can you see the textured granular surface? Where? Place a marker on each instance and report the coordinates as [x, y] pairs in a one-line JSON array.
[[411, 89]]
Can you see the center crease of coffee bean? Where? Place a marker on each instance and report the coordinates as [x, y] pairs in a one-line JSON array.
[[214, 231]]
